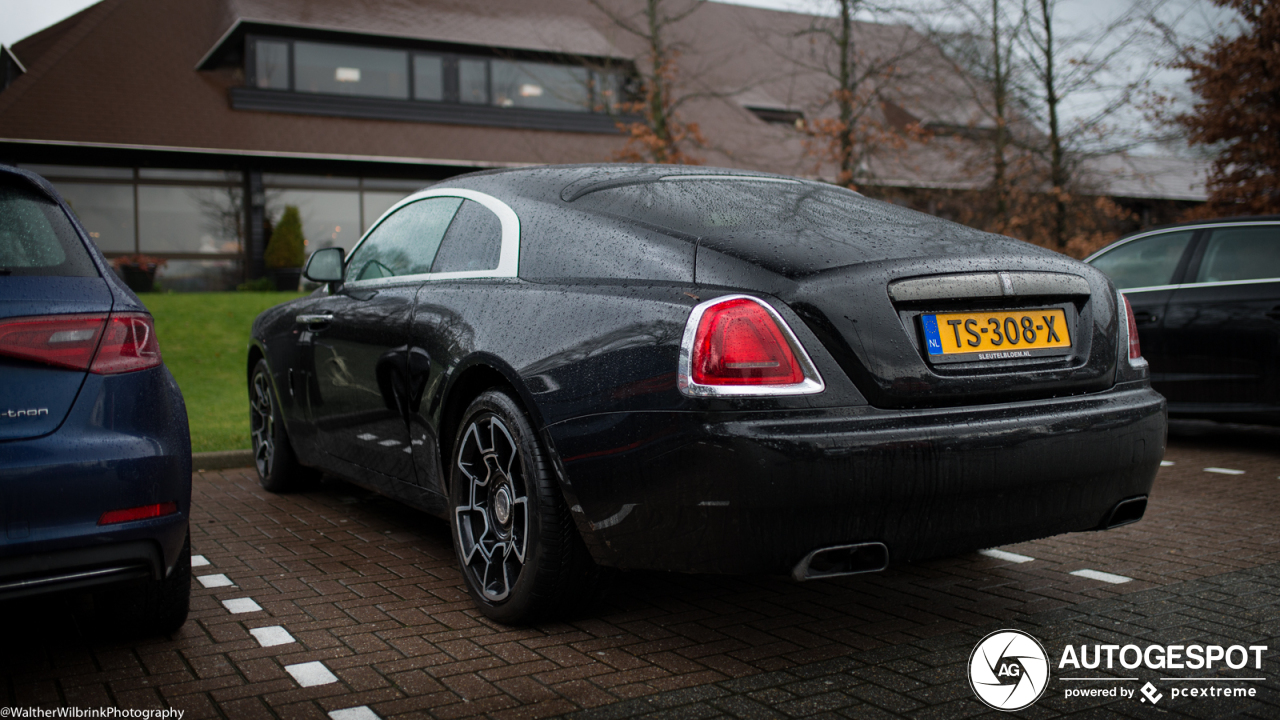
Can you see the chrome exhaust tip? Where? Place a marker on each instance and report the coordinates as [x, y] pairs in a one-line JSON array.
[[1129, 510], [842, 560]]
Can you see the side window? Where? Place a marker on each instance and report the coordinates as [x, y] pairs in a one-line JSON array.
[[1147, 262], [1241, 253], [474, 241], [405, 243]]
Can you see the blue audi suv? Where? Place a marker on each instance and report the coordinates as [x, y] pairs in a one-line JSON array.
[[95, 453]]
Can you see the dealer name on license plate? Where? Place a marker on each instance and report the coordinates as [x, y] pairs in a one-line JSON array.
[[996, 335]]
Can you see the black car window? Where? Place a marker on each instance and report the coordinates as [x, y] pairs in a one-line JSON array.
[[473, 242], [1241, 253], [1145, 262], [36, 237], [791, 228], [406, 242]]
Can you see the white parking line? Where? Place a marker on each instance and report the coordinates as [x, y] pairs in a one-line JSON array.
[[274, 635], [1166, 463], [1224, 471], [241, 605], [362, 712], [388, 443], [198, 561], [311, 674], [356, 713], [1006, 556], [213, 581], [366, 436], [1104, 577]]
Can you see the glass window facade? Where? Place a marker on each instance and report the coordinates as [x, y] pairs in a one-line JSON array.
[[272, 65], [330, 218], [540, 85], [428, 77], [350, 70], [331, 68], [186, 219], [473, 81], [106, 211], [194, 219]]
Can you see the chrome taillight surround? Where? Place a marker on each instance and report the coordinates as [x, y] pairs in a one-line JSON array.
[[1122, 314], [811, 385]]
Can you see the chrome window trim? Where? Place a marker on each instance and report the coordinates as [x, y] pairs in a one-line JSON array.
[[1216, 283], [508, 255], [1181, 228], [811, 385]]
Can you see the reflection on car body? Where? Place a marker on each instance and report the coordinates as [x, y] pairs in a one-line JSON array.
[[1206, 297], [702, 370]]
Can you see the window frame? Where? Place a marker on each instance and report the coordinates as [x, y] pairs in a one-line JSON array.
[[450, 80], [1192, 256], [508, 256]]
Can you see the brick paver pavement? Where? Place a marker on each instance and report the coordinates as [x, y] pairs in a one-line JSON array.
[[360, 606]]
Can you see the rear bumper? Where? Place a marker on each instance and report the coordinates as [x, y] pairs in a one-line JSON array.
[[758, 491], [124, 444]]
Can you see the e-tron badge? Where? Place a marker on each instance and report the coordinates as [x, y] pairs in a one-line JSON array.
[[1009, 670]]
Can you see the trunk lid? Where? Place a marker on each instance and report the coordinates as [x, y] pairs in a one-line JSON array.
[[871, 317]]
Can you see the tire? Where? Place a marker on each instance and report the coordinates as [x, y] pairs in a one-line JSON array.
[[278, 468], [150, 607], [517, 547]]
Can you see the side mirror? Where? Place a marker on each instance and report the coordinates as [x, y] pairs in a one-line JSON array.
[[325, 265]]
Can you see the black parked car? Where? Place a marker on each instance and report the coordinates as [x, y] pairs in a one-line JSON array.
[[705, 371], [95, 456], [1206, 296]]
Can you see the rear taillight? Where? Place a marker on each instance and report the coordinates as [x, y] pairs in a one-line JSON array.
[[739, 345], [128, 344], [144, 512], [98, 343], [1131, 326]]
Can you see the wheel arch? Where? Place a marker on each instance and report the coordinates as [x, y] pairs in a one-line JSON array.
[[477, 374]]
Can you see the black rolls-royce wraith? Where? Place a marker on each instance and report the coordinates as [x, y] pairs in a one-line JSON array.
[[703, 370]]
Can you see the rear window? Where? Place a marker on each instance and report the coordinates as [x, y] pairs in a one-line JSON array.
[[787, 226], [36, 237]]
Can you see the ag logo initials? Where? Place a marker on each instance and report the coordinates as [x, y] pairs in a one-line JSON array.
[[1009, 670]]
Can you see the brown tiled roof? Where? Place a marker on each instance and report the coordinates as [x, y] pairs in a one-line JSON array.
[[123, 73]]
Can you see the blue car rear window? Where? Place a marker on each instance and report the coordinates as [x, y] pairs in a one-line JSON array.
[[36, 237]]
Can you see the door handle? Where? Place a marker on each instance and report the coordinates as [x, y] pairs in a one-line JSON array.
[[1274, 313], [1143, 317], [314, 321]]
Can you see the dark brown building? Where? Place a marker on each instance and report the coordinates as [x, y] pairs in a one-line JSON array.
[[182, 129]]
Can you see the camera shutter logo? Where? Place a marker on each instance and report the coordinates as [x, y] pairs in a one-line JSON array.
[[1009, 670]]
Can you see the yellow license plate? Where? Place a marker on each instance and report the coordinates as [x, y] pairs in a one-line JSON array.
[[996, 334]]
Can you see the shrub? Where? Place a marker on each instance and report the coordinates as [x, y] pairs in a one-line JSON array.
[[287, 248]]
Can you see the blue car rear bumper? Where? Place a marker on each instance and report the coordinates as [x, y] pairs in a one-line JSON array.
[[124, 444]]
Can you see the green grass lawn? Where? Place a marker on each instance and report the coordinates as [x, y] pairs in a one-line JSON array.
[[204, 338]]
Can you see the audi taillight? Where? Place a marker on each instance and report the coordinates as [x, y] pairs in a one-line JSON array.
[[739, 345], [100, 343]]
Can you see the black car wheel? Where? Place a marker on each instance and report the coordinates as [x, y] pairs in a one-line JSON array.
[[516, 543], [278, 466], [150, 606]]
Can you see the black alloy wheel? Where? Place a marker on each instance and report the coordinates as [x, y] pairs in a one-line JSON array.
[[516, 543], [278, 466]]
